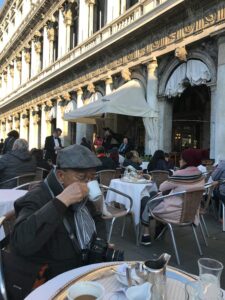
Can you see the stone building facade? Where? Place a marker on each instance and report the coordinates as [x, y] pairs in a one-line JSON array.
[[56, 56]]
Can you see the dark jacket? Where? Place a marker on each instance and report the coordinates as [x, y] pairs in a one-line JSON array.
[[124, 148], [8, 144], [128, 162], [161, 164], [107, 164], [16, 163], [50, 148], [39, 233]]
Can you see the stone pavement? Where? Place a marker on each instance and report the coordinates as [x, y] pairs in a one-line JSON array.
[[186, 245]]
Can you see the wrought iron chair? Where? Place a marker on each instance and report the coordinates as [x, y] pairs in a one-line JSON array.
[[191, 201], [159, 176], [41, 173], [18, 180], [26, 186], [117, 210], [6, 223], [105, 176]]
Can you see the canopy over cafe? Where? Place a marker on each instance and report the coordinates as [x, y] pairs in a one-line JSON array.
[[151, 70]]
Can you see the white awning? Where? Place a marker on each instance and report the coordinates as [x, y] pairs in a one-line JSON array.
[[129, 100]]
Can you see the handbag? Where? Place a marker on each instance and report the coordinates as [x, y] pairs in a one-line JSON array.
[[21, 275]]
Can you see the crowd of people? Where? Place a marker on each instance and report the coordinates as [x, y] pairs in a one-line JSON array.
[[56, 224]]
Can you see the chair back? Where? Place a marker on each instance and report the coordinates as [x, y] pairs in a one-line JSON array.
[[18, 180], [105, 176], [209, 187], [118, 173], [191, 201], [159, 176], [41, 173], [26, 186]]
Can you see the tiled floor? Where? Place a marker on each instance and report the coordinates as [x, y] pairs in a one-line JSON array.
[[185, 242]]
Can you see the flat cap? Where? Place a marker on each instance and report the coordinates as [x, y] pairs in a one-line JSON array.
[[77, 157]]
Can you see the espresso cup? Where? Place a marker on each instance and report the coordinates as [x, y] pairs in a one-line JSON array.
[[94, 190], [86, 290]]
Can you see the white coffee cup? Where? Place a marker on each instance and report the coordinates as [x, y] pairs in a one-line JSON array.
[[89, 288], [94, 190]]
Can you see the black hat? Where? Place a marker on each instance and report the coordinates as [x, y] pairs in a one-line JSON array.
[[77, 157]]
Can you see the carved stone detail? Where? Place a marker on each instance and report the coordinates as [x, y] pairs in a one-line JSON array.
[[91, 88], [27, 56], [51, 33], [181, 53], [11, 71], [126, 74], [68, 17]]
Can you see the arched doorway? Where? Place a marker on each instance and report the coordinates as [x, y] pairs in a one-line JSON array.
[[191, 119]]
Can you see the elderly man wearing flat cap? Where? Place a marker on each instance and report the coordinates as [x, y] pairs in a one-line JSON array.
[[40, 231]]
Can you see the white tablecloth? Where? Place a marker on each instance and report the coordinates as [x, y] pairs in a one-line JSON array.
[[135, 190], [50, 288], [7, 199], [144, 165]]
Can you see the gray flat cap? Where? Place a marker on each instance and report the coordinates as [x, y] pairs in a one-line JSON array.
[[77, 157]]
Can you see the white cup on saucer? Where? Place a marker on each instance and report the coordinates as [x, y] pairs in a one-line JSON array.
[[90, 289], [94, 190]]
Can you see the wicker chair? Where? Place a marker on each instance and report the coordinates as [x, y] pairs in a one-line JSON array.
[[6, 223], [159, 176], [26, 186], [18, 180], [116, 210], [105, 176], [191, 201]]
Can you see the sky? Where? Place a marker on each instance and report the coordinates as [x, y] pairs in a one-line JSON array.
[[1, 2]]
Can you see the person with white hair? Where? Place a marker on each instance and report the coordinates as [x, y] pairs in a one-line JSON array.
[[16, 162]]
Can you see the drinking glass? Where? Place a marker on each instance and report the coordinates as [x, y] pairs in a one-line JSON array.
[[209, 278]]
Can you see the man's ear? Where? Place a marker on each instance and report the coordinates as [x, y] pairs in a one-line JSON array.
[[60, 176]]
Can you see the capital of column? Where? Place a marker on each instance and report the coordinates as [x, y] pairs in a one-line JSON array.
[[68, 17], [108, 80], [91, 88], [66, 96], [37, 46], [152, 65], [79, 92], [11, 71], [51, 33], [90, 2], [126, 74], [27, 56]]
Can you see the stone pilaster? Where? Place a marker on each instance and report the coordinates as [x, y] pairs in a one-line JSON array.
[[26, 60], [152, 134], [51, 38], [113, 10], [220, 104], [61, 34], [108, 85], [83, 22], [81, 128], [43, 125], [68, 20], [24, 125], [46, 47], [91, 4], [213, 122]]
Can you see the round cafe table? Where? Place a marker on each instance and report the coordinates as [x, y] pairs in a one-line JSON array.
[[50, 288]]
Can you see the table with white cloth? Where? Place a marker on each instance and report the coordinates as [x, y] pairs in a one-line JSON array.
[[144, 165], [136, 191], [51, 288], [7, 199]]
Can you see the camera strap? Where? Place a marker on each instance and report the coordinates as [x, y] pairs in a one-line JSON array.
[[76, 246]]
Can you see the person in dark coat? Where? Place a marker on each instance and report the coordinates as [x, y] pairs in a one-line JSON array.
[[85, 143], [9, 141], [16, 162], [107, 162], [39, 232], [158, 162], [52, 145], [1, 145], [124, 147]]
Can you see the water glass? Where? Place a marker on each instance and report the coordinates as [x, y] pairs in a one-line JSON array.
[[209, 278]]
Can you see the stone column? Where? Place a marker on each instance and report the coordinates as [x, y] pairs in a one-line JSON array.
[[9, 79], [108, 85], [213, 122], [17, 71], [91, 17], [68, 20], [16, 122], [43, 125], [81, 128], [36, 124], [8, 124], [113, 10], [61, 34], [46, 47], [165, 124], [123, 6], [51, 38], [26, 59], [152, 141], [24, 125], [83, 22], [36, 55], [220, 104], [60, 123]]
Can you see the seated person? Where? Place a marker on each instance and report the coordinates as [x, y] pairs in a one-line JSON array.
[[40, 233], [16, 162], [124, 147], [185, 179], [41, 162], [131, 160], [218, 174], [114, 154], [107, 162], [158, 162]]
